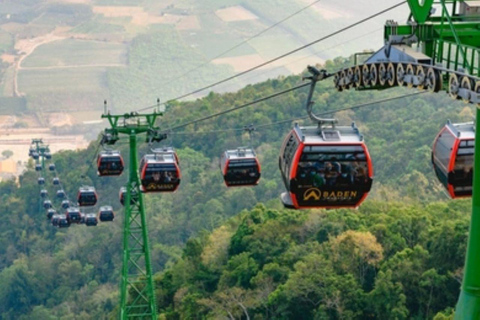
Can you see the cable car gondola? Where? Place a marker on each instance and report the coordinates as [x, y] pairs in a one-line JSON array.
[[452, 158], [106, 214], [55, 219], [35, 155], [160, 172], [41, 181], [73, 215], [87, 196], [123, 193], [61, 194], [240, 167], [56, 181], [109, 163], [47, 204], [43, 193], [325, 167], [47, 155], [38, 167], [63, 221], [91, 219], [50, 213], [51, 167], [65, 204]]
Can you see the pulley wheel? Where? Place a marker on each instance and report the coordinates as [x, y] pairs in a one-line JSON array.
[[400, 74], [466, 84], [432, 80], [411, 72], [392, 78], [421, 75], [453, 85], [366, 75], [373, 74], [382, 74], [358, 77]]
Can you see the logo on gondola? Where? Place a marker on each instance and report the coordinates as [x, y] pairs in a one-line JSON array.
[[311, 193]]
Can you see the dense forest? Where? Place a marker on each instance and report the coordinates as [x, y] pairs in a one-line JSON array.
[[237, 253]]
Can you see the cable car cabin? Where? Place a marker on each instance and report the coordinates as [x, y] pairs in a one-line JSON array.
[[35, 155], [50, 213], [109, 163], [55, 219], [61, 194], [87, 196], [91, 220], [43, 193], [65, 204], [38, 167], [123, 193], [41, 181], [106, 214], [47, 204], [331, 169], [51, 167], [240, 167], [159, 172], [56, 181], [47, 155], [73, 215], [63, 221], [31, 151], [452, 158]]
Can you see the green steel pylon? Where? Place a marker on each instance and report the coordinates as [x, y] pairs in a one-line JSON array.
[[42, 151], [137, 296]]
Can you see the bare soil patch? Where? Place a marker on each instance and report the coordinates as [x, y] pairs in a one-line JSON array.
[[138, 15], [188, 23], [8, 58], [236, 13]]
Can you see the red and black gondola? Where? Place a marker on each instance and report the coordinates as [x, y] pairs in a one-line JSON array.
[[91, 220], [106, 214], [452, 158], [327, 168], [240, 167], [87, 196], [73, 215], [110, 163], [160, 172], [63, 221]]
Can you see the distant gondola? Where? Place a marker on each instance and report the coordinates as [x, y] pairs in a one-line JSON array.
[[123, 193], [56, 181], [160, 172], [50, 213], [41, 181], [87, 196], [43, 193], [55, 219], [51, 167], [35, 155], [452, 158], [47, 155], [61, 194], [240, 167], [109, 163], [327, 168], [47, 204], [63, 221], [106, 214], [38, 167], [73, 215], [65, 204], [91, 219]]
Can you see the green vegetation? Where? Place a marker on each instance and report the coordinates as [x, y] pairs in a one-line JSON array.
[[217, 249]]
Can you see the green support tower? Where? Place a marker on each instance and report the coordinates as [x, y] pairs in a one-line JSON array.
[[137, 296]]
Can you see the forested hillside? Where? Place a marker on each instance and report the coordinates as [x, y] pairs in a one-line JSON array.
[[222, 252]]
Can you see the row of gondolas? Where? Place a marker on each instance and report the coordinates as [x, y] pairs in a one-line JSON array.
[[320, 167]]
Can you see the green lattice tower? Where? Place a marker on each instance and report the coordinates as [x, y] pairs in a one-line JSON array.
[[41, 149], [137, 294]]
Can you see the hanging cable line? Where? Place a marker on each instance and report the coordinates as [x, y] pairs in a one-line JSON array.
[[257, 127], [279, 57], [239, 107]]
